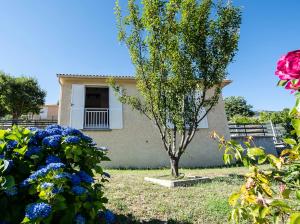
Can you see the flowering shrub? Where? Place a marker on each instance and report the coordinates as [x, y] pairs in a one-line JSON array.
[[270, 195], [47, 176]]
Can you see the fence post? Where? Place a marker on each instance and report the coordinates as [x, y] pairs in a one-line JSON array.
[[263, 128], [273, 132]]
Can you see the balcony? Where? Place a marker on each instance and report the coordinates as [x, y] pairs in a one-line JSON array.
[[96, 118]]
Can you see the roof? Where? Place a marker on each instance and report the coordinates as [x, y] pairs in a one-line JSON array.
[[96, 76], [105, 76]]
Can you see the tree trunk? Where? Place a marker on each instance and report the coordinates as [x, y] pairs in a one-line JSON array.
[[15, 119], [174, 167]]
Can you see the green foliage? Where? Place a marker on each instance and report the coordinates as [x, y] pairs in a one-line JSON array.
[[180, 50], [237, 106], [268, 195], [49, 166], [277, 117], [238, 119], [20, 95], [280, 117]]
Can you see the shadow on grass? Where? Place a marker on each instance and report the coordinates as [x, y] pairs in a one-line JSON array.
[[230, 179], [129, 219]]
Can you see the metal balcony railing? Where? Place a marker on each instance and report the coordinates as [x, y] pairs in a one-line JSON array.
[[96, 118]]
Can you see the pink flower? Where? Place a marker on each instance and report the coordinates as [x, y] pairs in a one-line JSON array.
[[288, 66]]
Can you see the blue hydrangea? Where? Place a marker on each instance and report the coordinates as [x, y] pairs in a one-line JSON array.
[[79, 219], [62, 175], [109, 217], [11, 191], [46, 185], [87, 138], [54, 166], [42, 172], [54, 126], [38, 210], [72, 139], [11, 145], [78, 190], [52, 159], [1, 156], [75, 180], [33, 150], [40, 134], [85, 177], [33, 140], [52, 141], [57, 190], [33, 129], [71, 131], [53, 131]]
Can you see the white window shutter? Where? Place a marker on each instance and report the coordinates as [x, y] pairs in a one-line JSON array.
[[115, 111], [77, 106], [204, 122]]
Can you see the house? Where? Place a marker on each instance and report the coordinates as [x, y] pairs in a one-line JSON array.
[[89, 104], [47, 112]]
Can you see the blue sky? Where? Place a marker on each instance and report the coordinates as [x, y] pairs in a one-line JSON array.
[[42, 38]]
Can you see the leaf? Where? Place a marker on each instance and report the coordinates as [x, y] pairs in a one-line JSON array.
[[286, 193], [22, 150], [296, 125], [234, 198], [10, 182], [282, 82], [264, 212], [274, 161], [256, 151], [262, 178], [295, 218], [26, 220], [262, 159], [2, 134], [284, 152], [267, 189], [298, 194], [279, 203], [290, 141]]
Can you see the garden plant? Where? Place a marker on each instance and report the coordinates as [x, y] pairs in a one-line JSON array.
[[270, 195], [47, 176]]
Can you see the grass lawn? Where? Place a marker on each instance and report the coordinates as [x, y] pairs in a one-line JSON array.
[[135, 201]]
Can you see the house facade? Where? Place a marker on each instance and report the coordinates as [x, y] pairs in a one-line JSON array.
[[89, 104]]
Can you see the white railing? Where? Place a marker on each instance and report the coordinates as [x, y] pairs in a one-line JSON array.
[[96, 118]]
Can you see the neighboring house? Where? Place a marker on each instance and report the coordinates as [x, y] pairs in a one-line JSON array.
[[47, 112], [89, 104]]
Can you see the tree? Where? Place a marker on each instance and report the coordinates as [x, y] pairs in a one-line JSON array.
[[180, 50], [237, 105], [279, 117], [20, 95]]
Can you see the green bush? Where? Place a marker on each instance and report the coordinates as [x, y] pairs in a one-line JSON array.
[[47, 176], [244, 120]]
